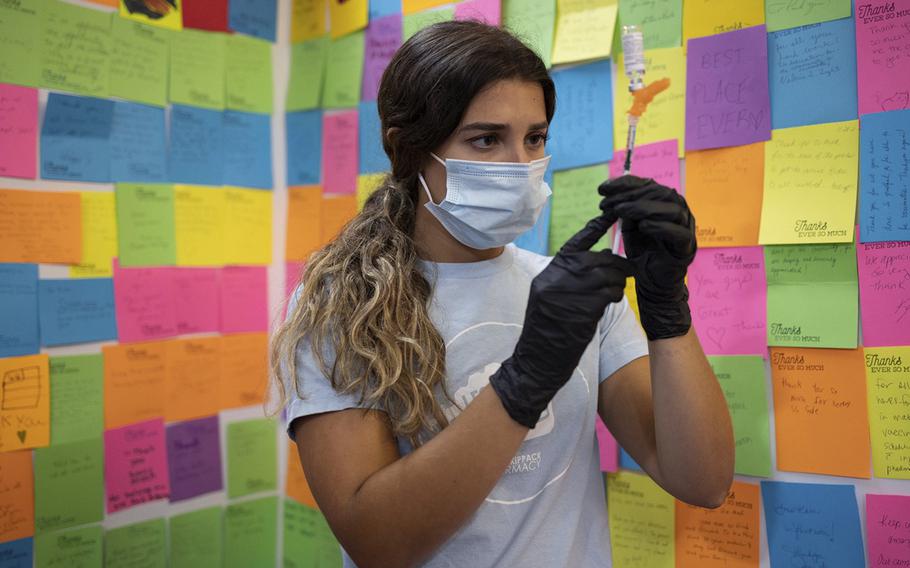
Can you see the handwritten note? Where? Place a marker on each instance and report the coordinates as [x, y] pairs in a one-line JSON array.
[[888, 378], [75, 138], [348, 16], [250, 533], [196, 149], [253, 17], [722, 537], [248, 74], [77, 398], [783, 14], [18, 553], [820, 411], [308, 538], [708, 17], [307, 20], [337, 210], [248, 149], [344, 69], [40, 226], [584, 30], [307, 74], [137, 544], [20, 36], [486, 11], [727, 100], [244, 369], [199, 225], [641, 521], [304, 147], [74, 49], [810, 185], [196, 538], [25, 412], [168, 16], [812, 524], [247, 310], [884, 292], [812, 295], [252, 455], [76, 311], [887, 530], [534, 22], [197, 69], [138, 144], [194, 458], [18, 131], [658, 160], [339, 155], [412, 23], [412, 6], [607, 447], [884, 165], [742, 379], [134, 383], [382, 39], [882, 56], [248, 226], [144, 300], [77, 547], [372, 156], [19, 304], [135, 465], [139, 62], [196, 299], [145, 224], [366, 185], [99, 235], [304, 233], [580, 129], [17, 501], [575, 201], [193, 376], [69, 485], [295, 483], [660, 21], [808, 64]]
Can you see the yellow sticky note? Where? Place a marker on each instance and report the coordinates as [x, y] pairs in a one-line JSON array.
[[632, 296], [248, 226], [584, 30], [25, 411], [665, 118], [99, 235], [346, 16], [708, 17], [166, 14], [366, 184], [412, 6], [199, 223], [888, 381], [307, 19], [642, 521], [810, 184]]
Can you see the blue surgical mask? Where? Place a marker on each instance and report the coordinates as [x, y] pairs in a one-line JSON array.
[[489, 204]]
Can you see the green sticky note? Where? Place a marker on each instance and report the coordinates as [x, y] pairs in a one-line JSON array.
[[307, 74], [742, 378], [344, 70], [308, 540], [76, 548], [248, 74], [660, 22], [780, 15], [252, 457], [197, 539], [413, 23], [575, 202], [140, 545], [250, 533], [74, 49], [197, 68], [145, 224], [69, 485], [20, 36], [77, 398], [812, 295], [139, 60], [533, 21]]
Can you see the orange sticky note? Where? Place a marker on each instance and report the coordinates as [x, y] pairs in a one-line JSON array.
[[296, 485], [17, 495], [726, 537], [337, 210], [25, 403], [134, 383], [244, 369], [40, 226], [304, 234], [724, 190], [193, 368], [820, 411]]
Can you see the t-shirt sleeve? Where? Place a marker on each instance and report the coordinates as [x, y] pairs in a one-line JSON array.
[[622, 340]]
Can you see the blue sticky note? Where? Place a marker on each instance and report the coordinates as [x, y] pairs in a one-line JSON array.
[[372, 157], [247, 149], [812, 74], [19, 306], [17, 553], [884, 176], [812, 524], [304, 145], [138, 144], [581, 132], [380, 8], [536, 238], [196, 152], [75, 138], [626, 461], [253, 17], [76, 311]]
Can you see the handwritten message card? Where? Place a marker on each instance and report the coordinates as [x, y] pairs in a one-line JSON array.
[[304, 147], [576, 201], [641, 521], [339, 156], [252, 455], [244, 369], [304, 214], [25, 413], [534, 22], [344, 69], [134, 379], [308, 536], [660, 21], [40, 226], [199, 225], [74, 49], [247, 289], [144, 300], [883, 55], [706, 17], [580, 129], [99, 235], [135, 465], [196, 149], [884, 167], [250, 533], [584, 30], [658, 160], [888, 378], [19, 303], [383, 36], [197, 301], [247, 149], [723, 537], [138, 144], [20, 34], [18, 131], [77, 398], [253, 17], [17, 501], [136, 544], [69, 485], [194, 458], [888, 530], [139, 62], [372, 156], [76, 311], [295, 483], [197, 538], [18, 553], [248, 74], [337, 210], [77, 547], [308, 19], [192, 378], [248, 224], [197, 69], [784, 14], [307, 74], [75, 138], [145, 224], [884, 292]]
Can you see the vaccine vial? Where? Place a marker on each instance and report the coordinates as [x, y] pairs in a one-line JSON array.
[[633, 50]]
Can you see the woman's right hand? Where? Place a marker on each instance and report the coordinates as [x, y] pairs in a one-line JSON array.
[[566, 301]]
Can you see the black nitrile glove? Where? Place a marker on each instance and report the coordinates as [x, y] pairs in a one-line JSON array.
[[658, 230], [566, 301]]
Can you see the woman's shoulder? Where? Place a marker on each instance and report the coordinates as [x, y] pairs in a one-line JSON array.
[[529, 261]]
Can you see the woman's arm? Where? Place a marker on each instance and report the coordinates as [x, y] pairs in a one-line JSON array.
[[669, 412]]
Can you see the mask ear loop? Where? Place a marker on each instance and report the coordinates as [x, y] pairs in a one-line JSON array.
[[423, 182]]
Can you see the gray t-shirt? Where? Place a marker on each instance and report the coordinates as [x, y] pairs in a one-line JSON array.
[[548, 509]]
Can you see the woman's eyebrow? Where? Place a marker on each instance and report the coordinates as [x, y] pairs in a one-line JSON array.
[[539, 126], [493, 126]]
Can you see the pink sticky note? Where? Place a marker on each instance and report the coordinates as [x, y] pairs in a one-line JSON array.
[[382, 39], [488, 11], [339, 152], [196, 298], [658, 160], [135, 465], [888, 530], [728, 299], [244, 299], [18, 131], [292, 276], [883, 55], [884, 292], [144, 302], [609, 450]]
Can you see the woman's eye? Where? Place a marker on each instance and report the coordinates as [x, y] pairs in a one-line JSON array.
[[484, 141], [537, 139]]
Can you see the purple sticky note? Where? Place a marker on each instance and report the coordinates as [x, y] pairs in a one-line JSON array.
[[194, 458], [727, 102], [244, 299], [383, 36], [197, 299]]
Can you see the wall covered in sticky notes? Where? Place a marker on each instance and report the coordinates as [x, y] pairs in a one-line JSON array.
[[165, 176]]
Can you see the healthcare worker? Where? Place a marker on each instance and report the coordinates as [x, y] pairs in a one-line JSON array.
[[441, 384]]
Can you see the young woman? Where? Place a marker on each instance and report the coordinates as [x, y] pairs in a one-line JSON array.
[[442, 384]]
